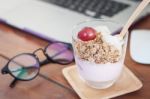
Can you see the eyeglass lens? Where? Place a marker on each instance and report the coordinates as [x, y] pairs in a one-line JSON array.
[[60, 53], [24, 66]]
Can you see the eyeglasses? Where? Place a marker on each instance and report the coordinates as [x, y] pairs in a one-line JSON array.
[[26, 66]]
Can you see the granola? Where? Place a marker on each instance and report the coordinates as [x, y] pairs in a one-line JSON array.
[[97, 50]]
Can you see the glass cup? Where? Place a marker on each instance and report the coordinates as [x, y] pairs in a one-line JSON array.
[[98, 75]]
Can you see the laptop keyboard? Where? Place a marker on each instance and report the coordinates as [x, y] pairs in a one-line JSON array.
[[93, 8]]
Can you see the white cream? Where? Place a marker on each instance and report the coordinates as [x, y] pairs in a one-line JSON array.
[[113, 40], [108, 38], [103, 29]]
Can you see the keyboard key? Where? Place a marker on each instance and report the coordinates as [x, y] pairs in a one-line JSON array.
[[68, 3], [83, 6], [90, 13], [91, 5], [100, 5]]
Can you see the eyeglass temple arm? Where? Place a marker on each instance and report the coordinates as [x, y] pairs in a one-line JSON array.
[[13, 83], [4, 70]]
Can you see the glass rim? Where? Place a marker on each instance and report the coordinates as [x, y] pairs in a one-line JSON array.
[[95, 20], [92, 20]]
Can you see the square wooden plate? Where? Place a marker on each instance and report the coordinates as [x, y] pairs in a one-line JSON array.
[[127, 83]]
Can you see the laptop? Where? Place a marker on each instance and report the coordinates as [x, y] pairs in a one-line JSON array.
[[54, 19]]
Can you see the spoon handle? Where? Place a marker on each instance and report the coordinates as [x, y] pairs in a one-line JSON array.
[[138, 10]]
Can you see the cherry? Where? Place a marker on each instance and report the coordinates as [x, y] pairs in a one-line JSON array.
[[87, 34]]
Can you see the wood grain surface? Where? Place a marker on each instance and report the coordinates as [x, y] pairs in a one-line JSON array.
[[53, 85]]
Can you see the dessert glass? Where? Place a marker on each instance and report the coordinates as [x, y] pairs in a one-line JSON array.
[[99, 75]]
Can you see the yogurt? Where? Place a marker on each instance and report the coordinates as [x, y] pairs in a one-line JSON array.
[[99, 76], [100, 61]]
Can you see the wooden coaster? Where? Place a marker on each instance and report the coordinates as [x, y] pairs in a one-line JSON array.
[[127, 83]]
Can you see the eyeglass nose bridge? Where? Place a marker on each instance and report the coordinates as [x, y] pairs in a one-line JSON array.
[[40, 49], [37, 56]]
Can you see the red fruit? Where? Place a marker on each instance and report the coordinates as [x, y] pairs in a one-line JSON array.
[[87, 34]]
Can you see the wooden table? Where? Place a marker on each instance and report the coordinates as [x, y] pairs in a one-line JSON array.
[[53, 85]]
